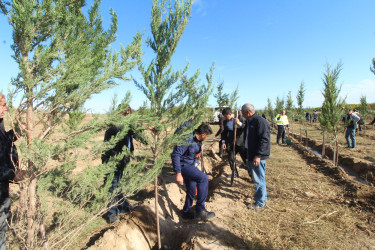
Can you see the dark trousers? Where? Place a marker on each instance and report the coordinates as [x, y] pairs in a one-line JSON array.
[[280, 134], [194, 179], [373, 121], [220, 148], [122, 203], [241, 150], [4, 216]]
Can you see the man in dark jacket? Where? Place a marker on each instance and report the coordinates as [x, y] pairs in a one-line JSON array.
[[8, 162], [258, 144], [218, 133], [122, 204], [184, 161], [227, 136]]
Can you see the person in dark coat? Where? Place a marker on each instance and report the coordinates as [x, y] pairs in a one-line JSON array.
[[218, 133], [8, 164], [122, 204], [227, 137], [184, 161], [258, 145]]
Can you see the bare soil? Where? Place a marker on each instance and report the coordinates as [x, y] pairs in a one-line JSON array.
[[311, 205]]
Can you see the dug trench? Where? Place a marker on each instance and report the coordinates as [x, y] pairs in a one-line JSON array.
[[364, 168], [311, 205]]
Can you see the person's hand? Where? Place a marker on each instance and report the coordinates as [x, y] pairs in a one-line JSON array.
[[179, 179], [224, 146], [256, 161]]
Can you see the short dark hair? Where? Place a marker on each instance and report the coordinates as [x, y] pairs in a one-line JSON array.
[[204, 128], [121, 107], [226, 111]]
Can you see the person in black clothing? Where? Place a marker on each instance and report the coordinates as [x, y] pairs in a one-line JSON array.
[[218, 133], [258, 145], [264, 116], [122, 203], [373, 122], [227, 136], [8, 164]]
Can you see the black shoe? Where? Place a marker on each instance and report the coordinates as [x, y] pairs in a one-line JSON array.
[[187, 216], [254, 206], [205, 215]]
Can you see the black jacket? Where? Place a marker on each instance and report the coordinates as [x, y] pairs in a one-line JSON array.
[[228, 135], [126, 141], [257, 131], [8, 160]]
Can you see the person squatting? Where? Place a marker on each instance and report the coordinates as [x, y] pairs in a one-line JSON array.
[[184, 161]]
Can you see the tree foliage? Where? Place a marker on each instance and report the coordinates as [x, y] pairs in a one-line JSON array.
[[269, 108], [221, 97], [232, 103], [300, 97], [363, 105], [173, 96], [279, 105], [372, 68], [289, 101], [331, 114], [64, 57]]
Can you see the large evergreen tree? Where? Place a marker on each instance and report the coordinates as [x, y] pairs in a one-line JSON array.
[[173, 96], [64, 57], [331, 114]]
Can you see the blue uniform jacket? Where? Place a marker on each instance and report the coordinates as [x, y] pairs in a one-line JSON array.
[[186, 155]]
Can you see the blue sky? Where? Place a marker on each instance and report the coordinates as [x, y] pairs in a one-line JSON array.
[[265, 47]]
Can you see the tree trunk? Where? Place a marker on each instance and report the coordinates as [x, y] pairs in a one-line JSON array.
[[43, 233], [337, 153], [324, 144], [31, 213], [300, 134], [307, 139]]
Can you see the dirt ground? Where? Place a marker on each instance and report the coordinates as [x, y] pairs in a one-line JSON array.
[[311, 205]]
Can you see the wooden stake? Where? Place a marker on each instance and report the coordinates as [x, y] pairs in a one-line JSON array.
[[324, 144], [157, 212], [334, 152]]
